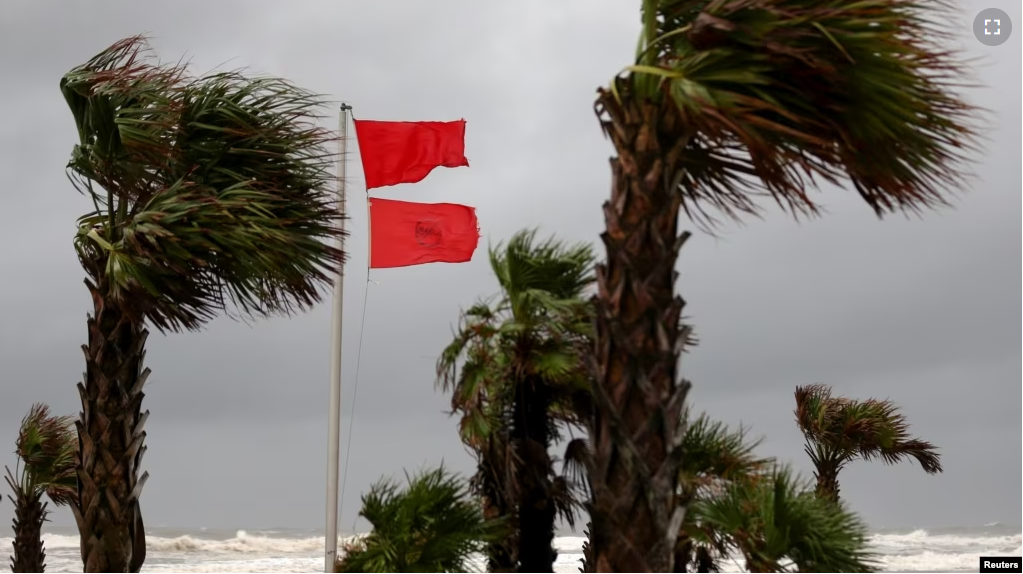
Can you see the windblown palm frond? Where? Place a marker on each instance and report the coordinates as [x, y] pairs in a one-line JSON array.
[[206, 190], [715, 457], [46, 447], [838, 430], [715, 451], [776, 524], [771, 94], [432, 525]]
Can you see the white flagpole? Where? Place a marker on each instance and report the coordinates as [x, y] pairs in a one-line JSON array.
[[334, 421]]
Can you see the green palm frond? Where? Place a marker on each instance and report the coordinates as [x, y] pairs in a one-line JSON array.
[[550, 268], [431, 525], [773, 96], [842, 429], [539, 324], [715, 456], [778, 525], [207, 190], [46, 447], [713, 450]]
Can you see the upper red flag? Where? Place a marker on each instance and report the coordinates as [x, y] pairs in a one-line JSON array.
[[406, 152], [403, 233]]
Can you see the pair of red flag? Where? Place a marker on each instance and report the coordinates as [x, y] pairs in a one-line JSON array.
[[405, 233]]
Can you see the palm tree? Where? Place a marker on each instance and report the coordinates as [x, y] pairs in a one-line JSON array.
[[715, 457], [433, 525], [838, 430], [46, 464], [777, 524], [208, 193], [523, 378], [727, 102]]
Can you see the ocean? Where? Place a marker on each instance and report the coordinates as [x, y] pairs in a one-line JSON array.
[[284, 550]]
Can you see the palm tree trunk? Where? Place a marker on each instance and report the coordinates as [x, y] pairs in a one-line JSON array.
[[683, 550], [531, 435], [29, 515], [827, 482], [638, 398], [500, 553], [110, 435]]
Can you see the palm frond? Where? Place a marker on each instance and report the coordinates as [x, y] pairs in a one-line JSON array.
[[431, 525], [715, 451], [775, 96], [840, 429], [46, 447], [208, 190], [540, 323], [778, 525], [715, 457]]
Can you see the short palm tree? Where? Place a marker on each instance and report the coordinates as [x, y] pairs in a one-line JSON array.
[[776, 524], [432, 525], [46, 465], [838, 430], [208, 193], [523, 377], [716, 456], [727, 102]]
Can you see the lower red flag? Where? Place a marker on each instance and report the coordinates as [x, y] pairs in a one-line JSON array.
[[404, 233]]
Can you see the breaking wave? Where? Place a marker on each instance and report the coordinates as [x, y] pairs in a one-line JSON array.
[[268, 551]]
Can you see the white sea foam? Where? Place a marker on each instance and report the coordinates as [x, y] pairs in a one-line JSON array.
[[273, 551]]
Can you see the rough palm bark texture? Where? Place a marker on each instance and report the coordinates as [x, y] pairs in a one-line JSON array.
[[827, 482], [637, 426], [530, 432], [29, 515], [111, 435]]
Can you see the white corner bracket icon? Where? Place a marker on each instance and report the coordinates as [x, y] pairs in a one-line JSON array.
[[998, 27]]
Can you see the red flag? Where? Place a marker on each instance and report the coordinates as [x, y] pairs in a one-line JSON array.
[[406, 152], [403, 233]]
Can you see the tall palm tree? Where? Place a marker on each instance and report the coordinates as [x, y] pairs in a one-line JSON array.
[[726, 102], [46, 465], [523, 376], [432, 525], [838, 430], [209, 192]]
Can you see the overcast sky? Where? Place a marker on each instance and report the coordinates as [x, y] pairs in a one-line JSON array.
[[921, 310]]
